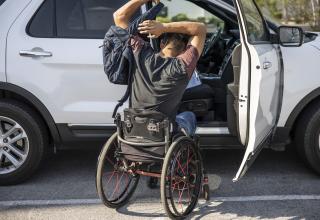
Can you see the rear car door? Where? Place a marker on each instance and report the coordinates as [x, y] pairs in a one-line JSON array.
[[261, 83], [53, 52]]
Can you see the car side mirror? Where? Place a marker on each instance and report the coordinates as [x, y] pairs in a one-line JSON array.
[[290, 36]]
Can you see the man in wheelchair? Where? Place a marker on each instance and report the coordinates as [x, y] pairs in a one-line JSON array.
[[144, 137], [160, 79]]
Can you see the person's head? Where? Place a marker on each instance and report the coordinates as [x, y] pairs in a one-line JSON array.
[[173, 44]]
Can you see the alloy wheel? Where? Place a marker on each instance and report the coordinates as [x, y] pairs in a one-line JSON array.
[[14, 145]]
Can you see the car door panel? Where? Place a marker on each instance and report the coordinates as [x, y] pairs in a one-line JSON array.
[[260, 86]]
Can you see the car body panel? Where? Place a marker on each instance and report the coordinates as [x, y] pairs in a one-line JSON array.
[[301, 75], [71, 83], [9, 11]]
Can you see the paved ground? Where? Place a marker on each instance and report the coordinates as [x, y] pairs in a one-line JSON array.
[[278, 186]]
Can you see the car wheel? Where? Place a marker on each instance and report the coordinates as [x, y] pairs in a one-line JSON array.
[[307, 136], [23, 139]]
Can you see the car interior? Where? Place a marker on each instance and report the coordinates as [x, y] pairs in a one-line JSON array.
[[215, 101]]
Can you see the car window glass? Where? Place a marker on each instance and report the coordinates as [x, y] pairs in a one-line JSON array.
[[42, 22], [177, 10], [2, 1], [256, 26], [85, 18]]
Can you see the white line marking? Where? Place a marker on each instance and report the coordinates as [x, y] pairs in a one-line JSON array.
[[211, 202], [50, 202], [266, 198]]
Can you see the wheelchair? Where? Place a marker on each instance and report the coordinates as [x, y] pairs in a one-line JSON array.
[[145, 144]]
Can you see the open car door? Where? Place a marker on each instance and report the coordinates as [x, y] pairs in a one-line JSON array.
[[261, 83]]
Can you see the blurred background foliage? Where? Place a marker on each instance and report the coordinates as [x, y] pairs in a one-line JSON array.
[[305, 13]]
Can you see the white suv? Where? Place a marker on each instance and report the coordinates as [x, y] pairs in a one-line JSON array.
[[55, 95]]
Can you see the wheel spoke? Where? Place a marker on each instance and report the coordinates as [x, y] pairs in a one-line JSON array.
[[115, 188], [11, 130], [189, 197], [180, 196], [110, 177], [188, 162], [119, 183], [179, 165], [16, 151], [108, 159], [17, 138], [11, 158]]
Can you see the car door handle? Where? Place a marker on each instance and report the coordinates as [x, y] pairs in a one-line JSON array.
[[32, 53], [267, 65]]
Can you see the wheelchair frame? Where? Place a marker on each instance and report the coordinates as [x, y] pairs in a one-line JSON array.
[[186, 176]]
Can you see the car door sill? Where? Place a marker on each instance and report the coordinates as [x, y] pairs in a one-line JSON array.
[[212, 131], [201, 130]]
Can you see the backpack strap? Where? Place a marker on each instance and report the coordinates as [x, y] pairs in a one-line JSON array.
[[126, 94]]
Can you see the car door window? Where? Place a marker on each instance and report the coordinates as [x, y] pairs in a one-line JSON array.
[[85, 18], [2, 1], [74, 18], [177, 10], [257, 31], [42, 23]]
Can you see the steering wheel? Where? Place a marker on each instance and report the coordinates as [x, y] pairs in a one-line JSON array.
[[211, 42]]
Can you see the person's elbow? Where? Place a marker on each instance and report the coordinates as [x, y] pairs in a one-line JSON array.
[[118, 18], [201, 29]]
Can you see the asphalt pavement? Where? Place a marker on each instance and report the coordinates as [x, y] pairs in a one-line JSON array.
[[277, 186]]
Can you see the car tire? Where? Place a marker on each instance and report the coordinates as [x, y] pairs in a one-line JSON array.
[[20, 159], [307, 136]]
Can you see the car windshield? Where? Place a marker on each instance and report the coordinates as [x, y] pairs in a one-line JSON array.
[[2, 1]]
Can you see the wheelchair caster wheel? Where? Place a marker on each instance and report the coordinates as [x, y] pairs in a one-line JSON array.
[[153, 183], [206, 192], [205, 188]]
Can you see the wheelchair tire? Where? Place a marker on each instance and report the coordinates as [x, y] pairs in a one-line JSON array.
[[181, 178], [116, 186]]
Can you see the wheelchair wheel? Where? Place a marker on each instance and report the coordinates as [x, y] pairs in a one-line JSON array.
[[114, 185], [181, 178]]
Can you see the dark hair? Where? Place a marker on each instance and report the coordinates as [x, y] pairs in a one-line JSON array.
[[179, 41]]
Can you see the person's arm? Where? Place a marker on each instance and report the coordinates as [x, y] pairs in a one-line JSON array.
[[123, 15], [196, 30]]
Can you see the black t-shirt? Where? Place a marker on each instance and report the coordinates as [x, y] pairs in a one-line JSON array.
[[158, 82]]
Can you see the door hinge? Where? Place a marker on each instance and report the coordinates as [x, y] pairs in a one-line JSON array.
[[243, 98]]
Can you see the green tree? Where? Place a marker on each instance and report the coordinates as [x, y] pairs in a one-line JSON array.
[[201, 19], [180, 17], [163, 19]]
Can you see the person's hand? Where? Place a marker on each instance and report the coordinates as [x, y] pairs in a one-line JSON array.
[[153, 28]]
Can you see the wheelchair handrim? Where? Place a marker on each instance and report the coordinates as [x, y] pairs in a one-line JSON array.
[[183, 179], [117, 185]]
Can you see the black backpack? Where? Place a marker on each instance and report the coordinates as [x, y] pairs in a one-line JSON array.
[[117, 53]]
